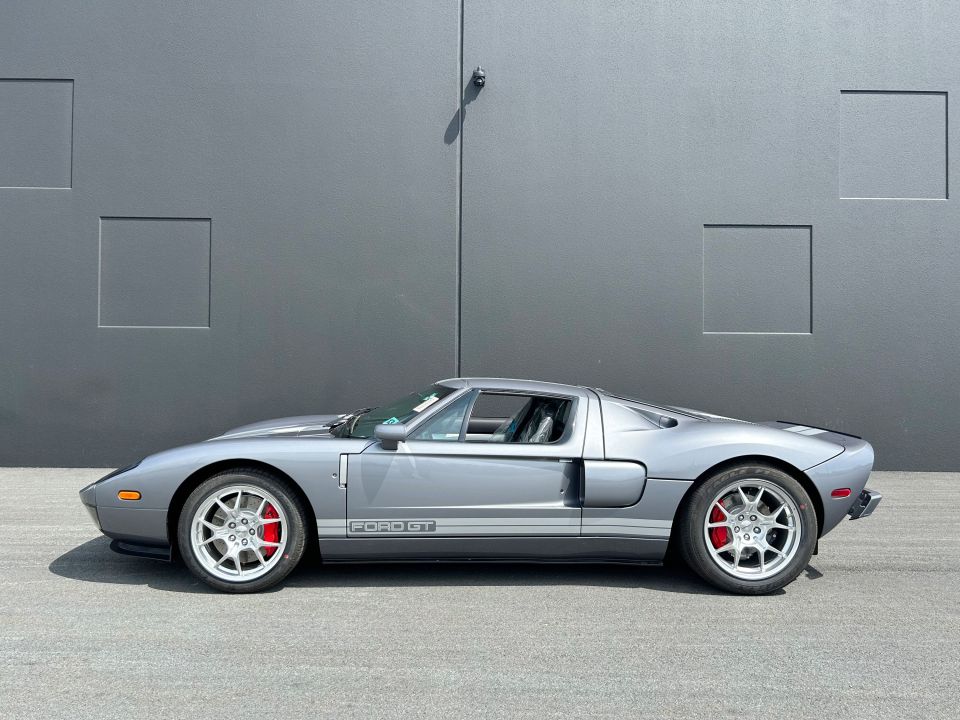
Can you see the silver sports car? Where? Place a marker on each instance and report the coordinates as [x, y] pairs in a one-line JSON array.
[[492, 469]]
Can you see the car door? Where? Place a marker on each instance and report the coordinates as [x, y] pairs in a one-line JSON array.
[[444, 485]]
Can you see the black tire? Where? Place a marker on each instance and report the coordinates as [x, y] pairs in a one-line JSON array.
[[295, 530], [693, 544]]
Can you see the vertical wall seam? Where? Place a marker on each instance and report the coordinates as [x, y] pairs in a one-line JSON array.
[[458, 313]]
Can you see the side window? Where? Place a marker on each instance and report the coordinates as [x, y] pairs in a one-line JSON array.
[[513, 418], [446, 425]]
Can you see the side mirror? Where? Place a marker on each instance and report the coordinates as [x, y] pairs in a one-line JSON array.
[[390, 435]]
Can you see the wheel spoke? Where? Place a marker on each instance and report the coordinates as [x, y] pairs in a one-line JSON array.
[[226, 560], [748, 554]]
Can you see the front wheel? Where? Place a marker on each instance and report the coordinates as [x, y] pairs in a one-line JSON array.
[[749, 530], [242, 531]]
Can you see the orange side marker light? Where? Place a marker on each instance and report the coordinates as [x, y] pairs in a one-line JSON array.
[[128, 495]]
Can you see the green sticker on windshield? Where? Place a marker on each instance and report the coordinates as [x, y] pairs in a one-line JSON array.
[[391, 421]]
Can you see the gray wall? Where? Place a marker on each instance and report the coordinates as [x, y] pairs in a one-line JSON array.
[[212, 213]]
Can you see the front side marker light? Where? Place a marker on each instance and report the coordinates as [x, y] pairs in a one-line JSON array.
[[128, 495]]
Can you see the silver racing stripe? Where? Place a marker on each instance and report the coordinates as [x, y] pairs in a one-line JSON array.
[[632, 527], [332, 528]]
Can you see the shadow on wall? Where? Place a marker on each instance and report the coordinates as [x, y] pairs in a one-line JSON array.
[[95, 562], [470, 93]]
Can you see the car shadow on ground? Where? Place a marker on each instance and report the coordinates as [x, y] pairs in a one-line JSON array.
[[95, 562]]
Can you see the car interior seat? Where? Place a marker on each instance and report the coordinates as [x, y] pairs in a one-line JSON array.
[[539, 427]]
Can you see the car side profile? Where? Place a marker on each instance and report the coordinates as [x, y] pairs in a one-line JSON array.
[[492, 469]]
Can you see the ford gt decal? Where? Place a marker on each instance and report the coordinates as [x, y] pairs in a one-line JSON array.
[[393, 526]]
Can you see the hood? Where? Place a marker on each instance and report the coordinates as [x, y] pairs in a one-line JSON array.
[[313, 425]]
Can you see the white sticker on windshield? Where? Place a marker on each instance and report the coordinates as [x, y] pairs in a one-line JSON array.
[[427, 402]]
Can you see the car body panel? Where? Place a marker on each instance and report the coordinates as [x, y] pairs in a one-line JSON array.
[[496, 549], [612, 483], [695, 444], [311, 462], [461, 495], [289, 427], [610, 487]]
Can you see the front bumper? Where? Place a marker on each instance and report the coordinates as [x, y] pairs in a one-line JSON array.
[[88, 496], [866, 503], [137, 530]]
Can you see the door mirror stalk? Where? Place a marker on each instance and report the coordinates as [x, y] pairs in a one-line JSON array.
[[390, 435]]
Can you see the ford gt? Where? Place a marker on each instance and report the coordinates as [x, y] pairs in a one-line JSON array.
[[493, 470]]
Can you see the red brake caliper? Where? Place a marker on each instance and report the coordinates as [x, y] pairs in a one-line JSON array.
[[718, 535], [271, 531]]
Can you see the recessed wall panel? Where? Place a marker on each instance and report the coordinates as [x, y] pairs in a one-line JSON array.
[[154, 272], [893, 145]]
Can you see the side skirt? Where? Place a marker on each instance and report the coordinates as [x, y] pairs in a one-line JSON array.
[[492, 549]]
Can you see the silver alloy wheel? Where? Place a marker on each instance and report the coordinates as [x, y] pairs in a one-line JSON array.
[[752, 529], [227, 533]]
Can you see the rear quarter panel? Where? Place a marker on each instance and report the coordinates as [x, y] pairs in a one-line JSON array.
[[692, 447]]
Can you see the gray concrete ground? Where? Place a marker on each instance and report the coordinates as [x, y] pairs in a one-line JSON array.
[[871, 630]]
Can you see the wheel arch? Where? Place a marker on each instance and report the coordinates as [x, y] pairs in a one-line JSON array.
[[770, 461], [193, 480]]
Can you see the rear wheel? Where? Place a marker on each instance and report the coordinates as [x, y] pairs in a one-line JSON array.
[[242, 531], [750, 529]]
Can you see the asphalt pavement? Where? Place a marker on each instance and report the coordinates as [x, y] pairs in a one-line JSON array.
[[871, 629]]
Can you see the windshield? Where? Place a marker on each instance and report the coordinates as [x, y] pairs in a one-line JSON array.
[[402, 410]]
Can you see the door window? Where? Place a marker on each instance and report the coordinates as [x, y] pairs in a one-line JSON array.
[[517, 418]]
